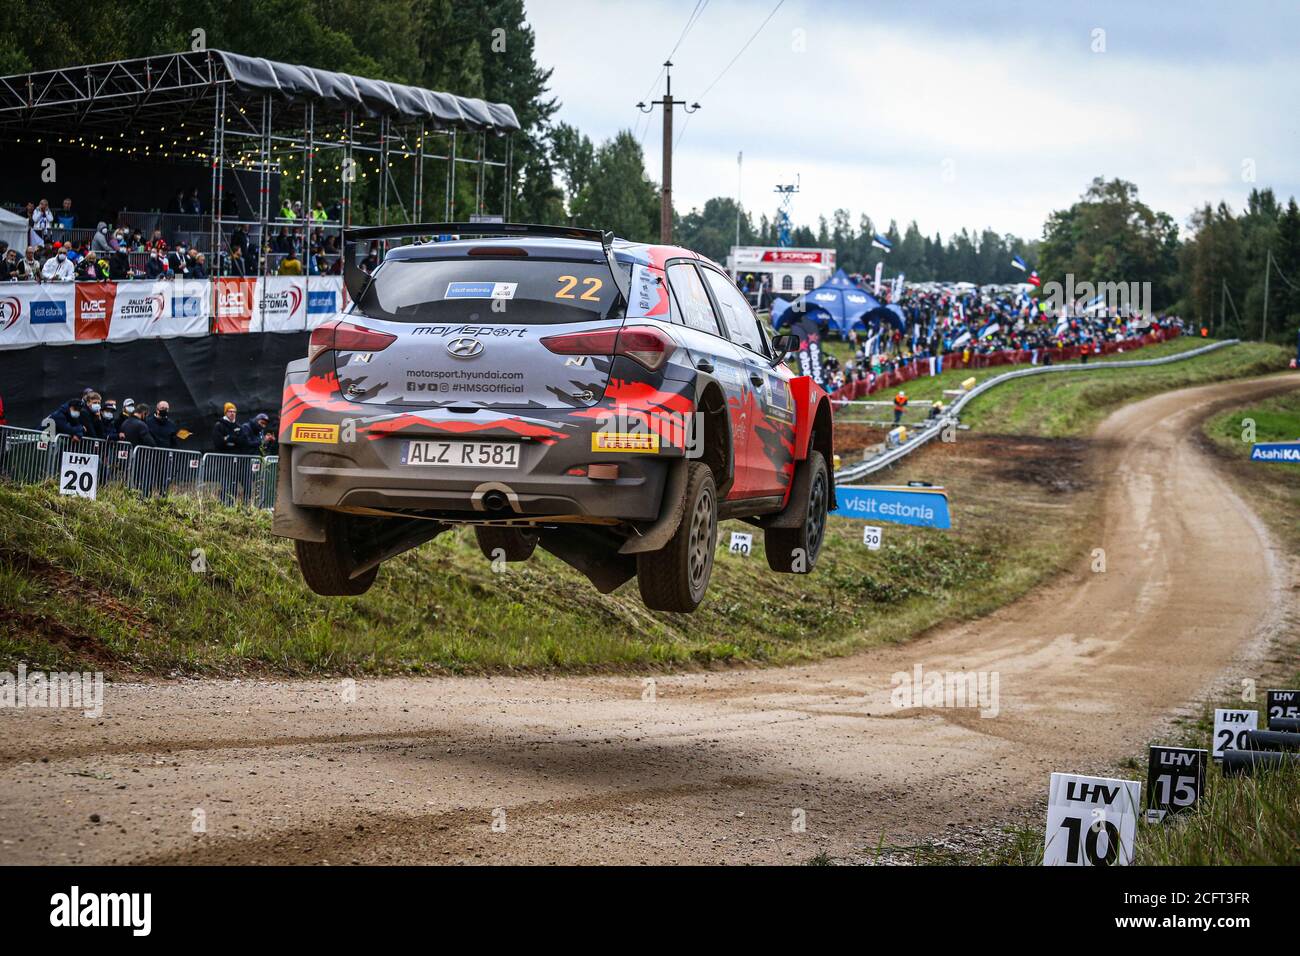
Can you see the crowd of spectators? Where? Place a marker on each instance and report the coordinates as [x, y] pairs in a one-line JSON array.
[[90, 415], [59, 250], [944, 320]]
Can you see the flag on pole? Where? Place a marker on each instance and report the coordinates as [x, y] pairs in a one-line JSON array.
[[1019, 263], [880, 242], [879, 268]]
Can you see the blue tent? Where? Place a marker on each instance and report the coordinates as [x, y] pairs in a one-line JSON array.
[[838, 303]]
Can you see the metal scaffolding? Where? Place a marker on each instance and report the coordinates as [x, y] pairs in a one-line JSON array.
[[264, 114]]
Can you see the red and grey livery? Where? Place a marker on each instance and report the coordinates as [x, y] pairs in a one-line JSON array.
[[608, 401]]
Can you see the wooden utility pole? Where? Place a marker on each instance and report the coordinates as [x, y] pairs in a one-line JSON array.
[[667, 104], [1268, 267]]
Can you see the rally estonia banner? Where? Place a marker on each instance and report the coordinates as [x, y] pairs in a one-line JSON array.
[[69, 313]]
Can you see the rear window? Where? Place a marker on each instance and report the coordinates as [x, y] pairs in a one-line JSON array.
[[507, 291]]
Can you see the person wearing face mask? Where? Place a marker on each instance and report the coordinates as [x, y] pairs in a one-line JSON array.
[[68, 418], [119, 264], [178, 262], [92, 405], [128, 409], [157, 267], [108, 420], [162, 427], [58, 268], [99, 244]]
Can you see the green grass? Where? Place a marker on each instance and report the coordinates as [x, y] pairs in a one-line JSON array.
[[1055, 406], [110, 582]]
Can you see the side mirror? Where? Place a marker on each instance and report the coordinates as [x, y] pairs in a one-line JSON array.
[[782, 346]]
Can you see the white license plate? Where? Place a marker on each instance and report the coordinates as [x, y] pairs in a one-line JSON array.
[[461, 454]]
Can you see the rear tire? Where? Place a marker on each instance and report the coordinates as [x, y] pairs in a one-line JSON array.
[[514, 544], [675, 577], [795, 550], [326, 565]]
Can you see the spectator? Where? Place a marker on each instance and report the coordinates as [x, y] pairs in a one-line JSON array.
[[91, 405], [11, 267], [226, 433], [157, 266], [198, 265], [58, 268], [286, 210], [119, 265], [178, 263], [318, 212], [67, 418], [42, 219], [108, 420], [156, 242], [99, 243], [195, 204], [162, 427], [65, 217], [900, 403], [235, 265], [178, 205], [253, 436], [289, 265], [135, 429], [128, 409], [31, 267]]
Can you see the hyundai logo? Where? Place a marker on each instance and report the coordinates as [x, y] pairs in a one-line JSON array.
[[464, 347]]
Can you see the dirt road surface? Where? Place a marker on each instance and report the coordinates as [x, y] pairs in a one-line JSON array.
[[718, 767]]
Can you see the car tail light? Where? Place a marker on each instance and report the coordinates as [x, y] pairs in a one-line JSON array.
[[340, 336], [643, 344]]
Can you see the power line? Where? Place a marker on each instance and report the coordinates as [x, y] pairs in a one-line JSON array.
[[753, 36], [690, 22]]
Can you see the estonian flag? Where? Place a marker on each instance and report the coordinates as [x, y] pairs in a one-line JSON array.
[[1034, 280], [880, 242], [1018, 263]]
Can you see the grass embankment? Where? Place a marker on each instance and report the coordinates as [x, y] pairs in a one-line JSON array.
[[1245, 820], [109, 583]]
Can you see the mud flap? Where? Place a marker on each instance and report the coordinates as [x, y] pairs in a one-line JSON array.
[[664, 527], [290, 520], [594, 553], [795, 512]]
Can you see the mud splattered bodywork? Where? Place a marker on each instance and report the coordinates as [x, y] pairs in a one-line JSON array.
[[521, 388]]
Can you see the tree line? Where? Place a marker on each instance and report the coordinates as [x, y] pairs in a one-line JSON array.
[[1228, 272]]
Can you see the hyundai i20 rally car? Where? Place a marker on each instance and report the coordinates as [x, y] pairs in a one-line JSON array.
[[607, 401]]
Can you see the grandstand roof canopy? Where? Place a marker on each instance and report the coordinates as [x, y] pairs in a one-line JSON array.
[[174, 88]]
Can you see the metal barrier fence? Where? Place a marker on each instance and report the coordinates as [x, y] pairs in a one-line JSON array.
[[928, 431], [31, 457], [162, 471]]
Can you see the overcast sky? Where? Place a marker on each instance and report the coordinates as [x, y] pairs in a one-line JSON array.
[[950, 112]]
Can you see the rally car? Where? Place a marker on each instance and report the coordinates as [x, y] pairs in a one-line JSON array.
[[607, 401]]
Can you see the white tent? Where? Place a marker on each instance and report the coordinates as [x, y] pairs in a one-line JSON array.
[[13, 230]]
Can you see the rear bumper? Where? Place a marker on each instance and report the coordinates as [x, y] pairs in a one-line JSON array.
[[371, 476]]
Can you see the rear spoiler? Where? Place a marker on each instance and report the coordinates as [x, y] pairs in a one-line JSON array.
[[357, 281]]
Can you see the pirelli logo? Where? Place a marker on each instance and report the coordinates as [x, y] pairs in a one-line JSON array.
[[625, 441], [319, 434]]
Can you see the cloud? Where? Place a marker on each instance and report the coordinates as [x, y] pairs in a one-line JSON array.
[[952, 114]]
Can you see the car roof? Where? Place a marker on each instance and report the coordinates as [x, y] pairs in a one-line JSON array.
[[642, 253]]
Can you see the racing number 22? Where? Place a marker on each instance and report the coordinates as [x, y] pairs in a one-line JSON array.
[[570, 282]]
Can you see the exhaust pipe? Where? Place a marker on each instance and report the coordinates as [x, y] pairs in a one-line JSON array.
[[496, 501]]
